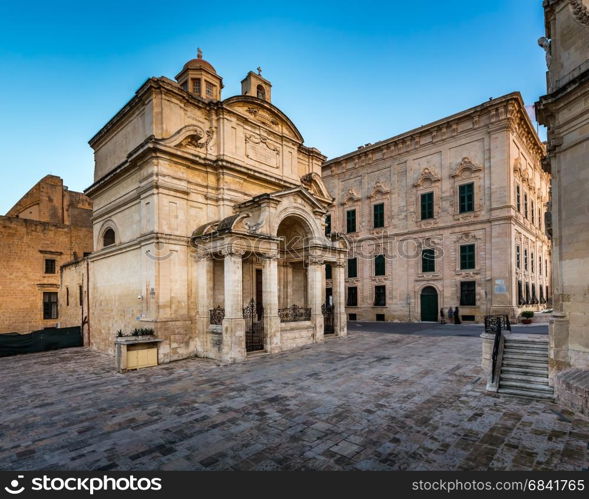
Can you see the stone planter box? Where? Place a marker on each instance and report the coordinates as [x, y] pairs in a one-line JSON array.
[[136, 352]]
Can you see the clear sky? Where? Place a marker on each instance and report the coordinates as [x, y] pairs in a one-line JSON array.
[[346, 73]]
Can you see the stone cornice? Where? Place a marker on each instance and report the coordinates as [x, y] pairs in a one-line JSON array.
[[502, 108]]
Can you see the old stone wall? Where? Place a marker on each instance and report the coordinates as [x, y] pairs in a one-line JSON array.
[[24, 246]]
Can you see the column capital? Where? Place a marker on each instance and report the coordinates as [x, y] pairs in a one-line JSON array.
[[269, 256], [232, 251], [315, 260]]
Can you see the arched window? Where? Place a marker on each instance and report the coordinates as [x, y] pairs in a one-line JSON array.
[[261, 92], [108, 239]]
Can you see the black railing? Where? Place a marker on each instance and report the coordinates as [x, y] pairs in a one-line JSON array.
[[294, 313], [328, 322], [491, 320], [253, 313], [216, 315], [494, 324]]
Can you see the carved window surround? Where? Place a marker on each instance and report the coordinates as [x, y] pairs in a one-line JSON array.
[[465, 173], [428, 181], [461, 240]]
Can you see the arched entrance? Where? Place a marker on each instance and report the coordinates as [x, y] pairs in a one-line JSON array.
[[295, 235], [429, 304]]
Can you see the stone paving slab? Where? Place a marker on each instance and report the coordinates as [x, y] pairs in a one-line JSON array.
[[372, 401]]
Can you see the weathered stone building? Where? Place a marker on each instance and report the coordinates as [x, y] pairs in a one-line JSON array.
[[209, 223], [565, 111], [47, 228], [449, 214]]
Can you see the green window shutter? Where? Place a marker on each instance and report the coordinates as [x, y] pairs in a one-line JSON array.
[[467, 256], [351, 221], [328, 271], [352, 297], [378, 215], [468, 293], [427, 205], [380, 296], [466, 198], [352, 267], [428, 260], [379, 265]]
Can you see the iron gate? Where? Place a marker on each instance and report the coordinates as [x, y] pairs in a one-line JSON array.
[[254, 326], [327, 311]]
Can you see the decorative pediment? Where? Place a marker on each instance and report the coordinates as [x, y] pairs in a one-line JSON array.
[[314, 184], [351, 196], [467, 237], [427, 176], [466, 165], [263, 113], [378, 189]]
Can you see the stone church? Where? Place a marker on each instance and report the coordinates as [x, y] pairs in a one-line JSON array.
[[209, 224]]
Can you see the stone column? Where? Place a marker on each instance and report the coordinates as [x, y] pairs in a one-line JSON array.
[[204, 303], [272, 340], [315, 296], [233, 324], [339, 299]]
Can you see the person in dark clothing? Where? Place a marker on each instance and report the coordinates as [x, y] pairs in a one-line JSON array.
[[450, 314], [457, 316], [442, 318]]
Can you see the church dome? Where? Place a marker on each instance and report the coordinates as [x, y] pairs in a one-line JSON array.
[[199, 63]]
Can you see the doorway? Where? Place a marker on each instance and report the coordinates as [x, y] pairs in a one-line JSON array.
[[429, 304]]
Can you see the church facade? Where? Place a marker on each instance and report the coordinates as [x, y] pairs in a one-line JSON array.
[[448, 215], [208, 223], [565, 111]]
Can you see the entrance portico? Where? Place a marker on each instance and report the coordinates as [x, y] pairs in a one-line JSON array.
[[273, 250]]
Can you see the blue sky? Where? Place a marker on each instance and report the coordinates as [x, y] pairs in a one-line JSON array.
[[346, 73]]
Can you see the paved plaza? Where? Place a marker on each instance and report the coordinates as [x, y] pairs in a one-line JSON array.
[[372, 401]]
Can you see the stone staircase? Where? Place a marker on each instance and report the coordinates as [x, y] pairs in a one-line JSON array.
[[524, 371]]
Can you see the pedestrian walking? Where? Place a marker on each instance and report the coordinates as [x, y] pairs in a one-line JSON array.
[[442, 318], [450, 313], [457, 316]]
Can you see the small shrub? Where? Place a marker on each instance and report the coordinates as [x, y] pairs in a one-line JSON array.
[[144, 331], [528, 314]]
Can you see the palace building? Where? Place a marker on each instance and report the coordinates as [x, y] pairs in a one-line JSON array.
[[450, 214], [208, 223]]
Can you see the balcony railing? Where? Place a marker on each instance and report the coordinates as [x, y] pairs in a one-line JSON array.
[[294, 313], [216, 315]]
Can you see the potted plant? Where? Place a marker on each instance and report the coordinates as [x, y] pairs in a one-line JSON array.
[[527, 316]]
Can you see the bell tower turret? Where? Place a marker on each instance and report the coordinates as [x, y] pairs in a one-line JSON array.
[[256, 86]]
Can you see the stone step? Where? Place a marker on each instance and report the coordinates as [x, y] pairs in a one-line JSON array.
[[531, 371], [524, 364], [528, 387], [523, 378], [526, 348], [524, 393], [525, 356]]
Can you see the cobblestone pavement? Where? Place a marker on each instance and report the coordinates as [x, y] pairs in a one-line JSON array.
[[372, 401]]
